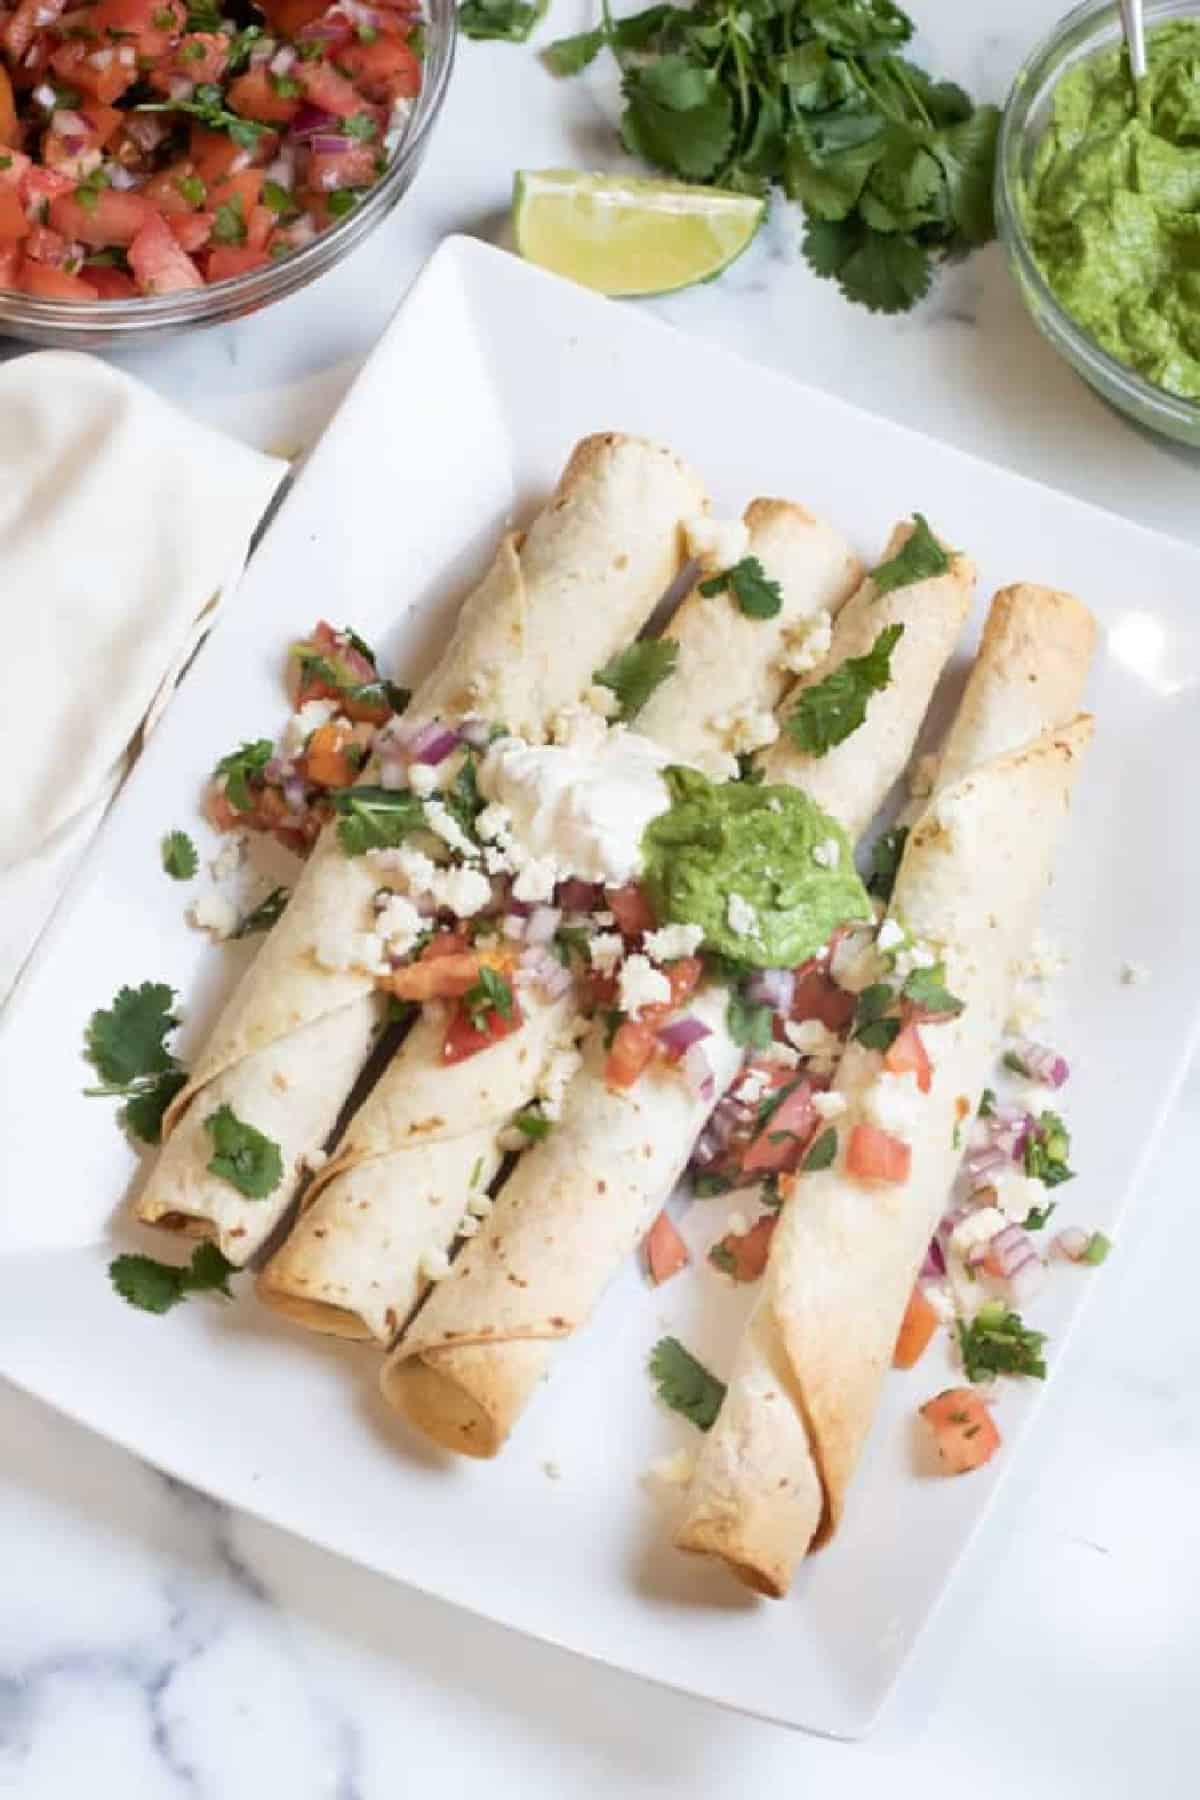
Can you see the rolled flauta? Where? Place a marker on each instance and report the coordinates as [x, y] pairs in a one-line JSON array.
[[467, 1365], [932, 613], [352, 1264], [773, 1472], [554, 605]]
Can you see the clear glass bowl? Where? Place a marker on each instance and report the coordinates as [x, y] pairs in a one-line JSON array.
[[1091, 27], [111, 324]]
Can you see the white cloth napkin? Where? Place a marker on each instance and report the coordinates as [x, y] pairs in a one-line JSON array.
[[123, 524]]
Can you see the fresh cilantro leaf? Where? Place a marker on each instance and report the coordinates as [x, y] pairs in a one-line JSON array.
[[823, 1152], [748, 770], [376, 818], [612, 1019], [341, 202], [156, 1287], [278, 198], [987, 1103], [571, 55], [192, 189], [750, 1025], [997, 1342], [918, 559], [872, 1028], [206, 107], [399, 1012], [363, 127], [828, 711], [179, 858], [1046, 1150], [265, 914], [855, 25], [706, 1185], [830, 184], [509, 21], [721, 1257], [88, 191], [906, 190], [1038, 1217], [127, 1040], [678, 116], [926, 989], [239, 768], [202, 15], [684, 1384], [142, 1113], [885, 272], [885, 862], [569, 941], [966, 151], [756, 594], [633, 674], [1098, 1247], [532, 1122], [462, 799], [229, 223], [242, 1156], [490, 994]]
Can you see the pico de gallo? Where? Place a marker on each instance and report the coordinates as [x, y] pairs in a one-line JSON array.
[[153, 146]]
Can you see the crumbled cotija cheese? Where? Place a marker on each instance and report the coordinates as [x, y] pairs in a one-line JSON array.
[[641, 984]]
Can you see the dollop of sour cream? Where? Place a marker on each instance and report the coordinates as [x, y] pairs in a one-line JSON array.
[[585, 802]]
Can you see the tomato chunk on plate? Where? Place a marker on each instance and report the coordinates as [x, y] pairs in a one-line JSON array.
[[875, 1155], [159, 265], [964, 1431]]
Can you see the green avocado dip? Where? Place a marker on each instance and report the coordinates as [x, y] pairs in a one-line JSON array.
[[1112, 205], [763, 870]]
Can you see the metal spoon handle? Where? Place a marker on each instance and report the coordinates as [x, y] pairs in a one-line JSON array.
[[1133, 24]]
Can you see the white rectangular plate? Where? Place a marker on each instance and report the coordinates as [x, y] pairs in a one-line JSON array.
[[461, 418]]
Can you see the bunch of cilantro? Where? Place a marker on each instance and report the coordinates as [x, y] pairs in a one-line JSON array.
[[893, 169]]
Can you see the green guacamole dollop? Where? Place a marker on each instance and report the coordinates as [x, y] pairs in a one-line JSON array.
[[732, 839], [1112, 205]]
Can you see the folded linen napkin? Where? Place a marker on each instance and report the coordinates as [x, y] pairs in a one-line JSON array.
[[123, 524]]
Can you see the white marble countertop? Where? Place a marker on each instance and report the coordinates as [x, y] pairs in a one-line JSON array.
[[153, 1644]]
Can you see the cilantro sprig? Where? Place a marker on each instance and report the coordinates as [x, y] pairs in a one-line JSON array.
[[684, 1384], [633, 674], [126, 1044], [919, 558], [179, 858], [756, 594], [828, 711], [205, 105], [242, 766], [491, 995], [998, 1342], [157, 1287], [376, 818], [1046, 1150], [265, 914], [510, 21], [248, 1160], [892, 167]]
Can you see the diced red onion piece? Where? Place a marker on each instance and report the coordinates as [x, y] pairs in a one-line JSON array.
[[679, 1036], [278, 769], [775, 988], [1038, 1063], [120, 178], [512, 926], [1026, 1280], [393, 774], [432, 743], [707, 1150], [1071, 1242], [982, 1165], [544, 921], [68, 124], [319, 32], [476, 732], [935, 1261], [1010, 1248], [283, 60], [294, 794], [578, 896], [310, 118]]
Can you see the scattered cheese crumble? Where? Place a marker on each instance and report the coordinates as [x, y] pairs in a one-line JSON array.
[[422, 779], [808, 644], [213, 913], [827, 854], [893, 1102], [718, 543], [641, 984], [741, 916], [816, 1042], [434, 1264], [829, 1106], [674, 1471], [304, 721], [1132, 973], [671, 941], [605, 951]]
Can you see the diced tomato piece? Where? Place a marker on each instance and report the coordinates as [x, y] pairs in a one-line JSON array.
[[53, 284], [219, 810], [254, 97], [111, 216], [214, 154], [385, 70], [916, 1328], [104, 85], [631, 909], [10, 262], [666, 1252], [631, 1050], [445, 943], [324, 87], [684, 976], [159, 265], [875, 1155], [326, 761], [13, 222], [907, 1055], [963, 1429], [786, 1135], [112, 284], [198, 56], [167, 191], [241, 191], [152, 25], [445, 978], [30, 17], [819, 997], [46, 246], [287, 18], [463, 1038], [14, 167], [329, 171], [45, 184], [191, 230], [9, 128], [227, 260], [105, 121], [260, 222], [743, 1254]]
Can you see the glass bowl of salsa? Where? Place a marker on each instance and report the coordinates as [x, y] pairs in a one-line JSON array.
[[173, 163], [1098, 207]]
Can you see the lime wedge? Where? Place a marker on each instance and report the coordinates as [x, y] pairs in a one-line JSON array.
[[622, 235]]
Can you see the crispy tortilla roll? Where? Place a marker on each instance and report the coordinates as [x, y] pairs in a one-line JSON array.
[[466, 1366], [586, 576], [774, 1469], [932, 612], [352, 1263]]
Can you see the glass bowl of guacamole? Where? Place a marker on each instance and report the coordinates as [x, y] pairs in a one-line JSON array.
[[1098, 205]]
